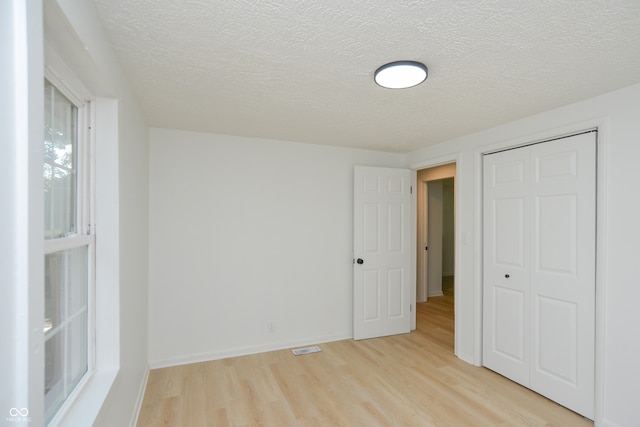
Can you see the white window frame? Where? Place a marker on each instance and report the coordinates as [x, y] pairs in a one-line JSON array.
[[80, 97], [84, 405]]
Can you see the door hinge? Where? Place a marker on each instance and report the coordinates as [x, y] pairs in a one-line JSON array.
[[410, 307], [411, 189]]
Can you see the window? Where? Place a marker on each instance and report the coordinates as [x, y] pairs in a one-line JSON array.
[[69, 248]]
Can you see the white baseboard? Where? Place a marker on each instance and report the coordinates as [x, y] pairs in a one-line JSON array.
[[241, 351], [435, 294], [140, 398]]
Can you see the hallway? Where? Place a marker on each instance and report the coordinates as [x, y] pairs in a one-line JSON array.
[[435, 318]]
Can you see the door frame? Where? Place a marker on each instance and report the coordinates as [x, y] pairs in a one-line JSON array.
[[435, 173], [427, 164], [602, 143]]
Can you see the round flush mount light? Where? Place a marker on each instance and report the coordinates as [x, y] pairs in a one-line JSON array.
[[401, 74]]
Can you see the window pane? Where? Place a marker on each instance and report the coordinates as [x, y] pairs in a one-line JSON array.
[[53, 374], [77, 350], [60, 148], [77, 280], [54, 290], [65, 324], [65, 286]]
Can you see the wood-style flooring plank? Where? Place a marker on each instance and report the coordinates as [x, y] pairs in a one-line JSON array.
[[405, 380]]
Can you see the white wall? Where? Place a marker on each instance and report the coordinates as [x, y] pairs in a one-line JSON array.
[[97, 66], [246, 231], [618, 117]]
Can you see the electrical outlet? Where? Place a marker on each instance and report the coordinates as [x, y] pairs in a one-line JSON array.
[[271, 326]]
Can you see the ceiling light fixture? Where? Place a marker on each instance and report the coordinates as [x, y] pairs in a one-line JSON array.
[[401, 74]]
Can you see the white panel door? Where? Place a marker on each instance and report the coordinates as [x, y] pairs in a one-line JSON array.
[[539, 268], [506, 264], [381, 292], [563, 195]]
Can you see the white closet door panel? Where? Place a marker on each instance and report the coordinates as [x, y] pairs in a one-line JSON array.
[[556, 237], [539, 268], [509, 231], [508, 326], [556, 340], [506, 280], [563, 271]]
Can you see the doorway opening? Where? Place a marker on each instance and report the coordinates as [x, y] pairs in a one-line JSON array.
[[435, 275]]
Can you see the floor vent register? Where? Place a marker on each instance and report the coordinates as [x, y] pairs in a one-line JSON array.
[[306, 350]]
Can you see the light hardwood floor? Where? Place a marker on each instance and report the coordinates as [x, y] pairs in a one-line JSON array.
[[405, 380]]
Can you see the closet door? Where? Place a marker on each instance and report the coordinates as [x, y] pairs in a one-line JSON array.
[[563, 258], [506, 264], [544, 229]]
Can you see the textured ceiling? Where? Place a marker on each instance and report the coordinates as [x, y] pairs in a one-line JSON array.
[[303, 70]]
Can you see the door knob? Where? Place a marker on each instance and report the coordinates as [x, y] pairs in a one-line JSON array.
[[360, 261]]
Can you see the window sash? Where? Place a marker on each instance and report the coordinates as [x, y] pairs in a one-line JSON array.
[[72, 339], [65, 243], [66, 324], [61, 143]]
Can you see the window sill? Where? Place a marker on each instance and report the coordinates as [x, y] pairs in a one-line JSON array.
[[84, 409]]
